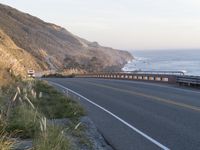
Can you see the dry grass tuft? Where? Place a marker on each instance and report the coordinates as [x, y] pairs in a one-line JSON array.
[[5, 142], [52, 138]]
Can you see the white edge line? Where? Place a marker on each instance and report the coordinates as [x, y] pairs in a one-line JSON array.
[[115, 116]]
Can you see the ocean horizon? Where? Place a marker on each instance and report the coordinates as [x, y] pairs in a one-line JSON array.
[[187, 61]]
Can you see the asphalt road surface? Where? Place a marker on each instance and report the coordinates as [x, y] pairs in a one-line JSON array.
[[135, 115]]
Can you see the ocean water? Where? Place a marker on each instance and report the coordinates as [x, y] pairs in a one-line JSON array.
[[187, 61]]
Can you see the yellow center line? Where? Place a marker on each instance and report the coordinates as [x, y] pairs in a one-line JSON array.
[[168, 101]]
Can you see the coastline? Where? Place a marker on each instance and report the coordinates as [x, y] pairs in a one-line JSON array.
[[188, 62]]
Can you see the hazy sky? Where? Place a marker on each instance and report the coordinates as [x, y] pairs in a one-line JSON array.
[[124, 24]]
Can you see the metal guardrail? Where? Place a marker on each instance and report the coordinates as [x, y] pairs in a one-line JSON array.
[[132, 76], [161, 76], [159, 72], [189, 80]]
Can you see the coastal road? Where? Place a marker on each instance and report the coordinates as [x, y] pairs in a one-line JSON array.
[[135, 115]]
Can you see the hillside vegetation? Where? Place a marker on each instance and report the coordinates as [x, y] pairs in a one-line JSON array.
[[35, 111]]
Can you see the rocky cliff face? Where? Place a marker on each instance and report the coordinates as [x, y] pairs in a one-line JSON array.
[[42, 45]]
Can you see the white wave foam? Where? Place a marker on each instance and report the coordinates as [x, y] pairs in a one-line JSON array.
[[141, 58], [184, 71]]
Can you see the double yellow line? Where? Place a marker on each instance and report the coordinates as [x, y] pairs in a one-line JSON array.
[[152, 97]]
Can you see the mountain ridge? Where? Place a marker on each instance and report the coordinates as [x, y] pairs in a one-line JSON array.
[[55, 48]]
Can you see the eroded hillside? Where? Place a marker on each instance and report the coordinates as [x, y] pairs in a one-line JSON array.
[[53, 47], [14, 60]]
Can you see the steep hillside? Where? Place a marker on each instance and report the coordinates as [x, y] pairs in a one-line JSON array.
[[53, 47], [14, 60]]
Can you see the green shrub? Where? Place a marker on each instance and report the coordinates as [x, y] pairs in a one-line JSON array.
[[54, 104], [23, 120], [36, 100]]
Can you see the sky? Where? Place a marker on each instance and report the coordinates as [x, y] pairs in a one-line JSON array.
[[123, 24]]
